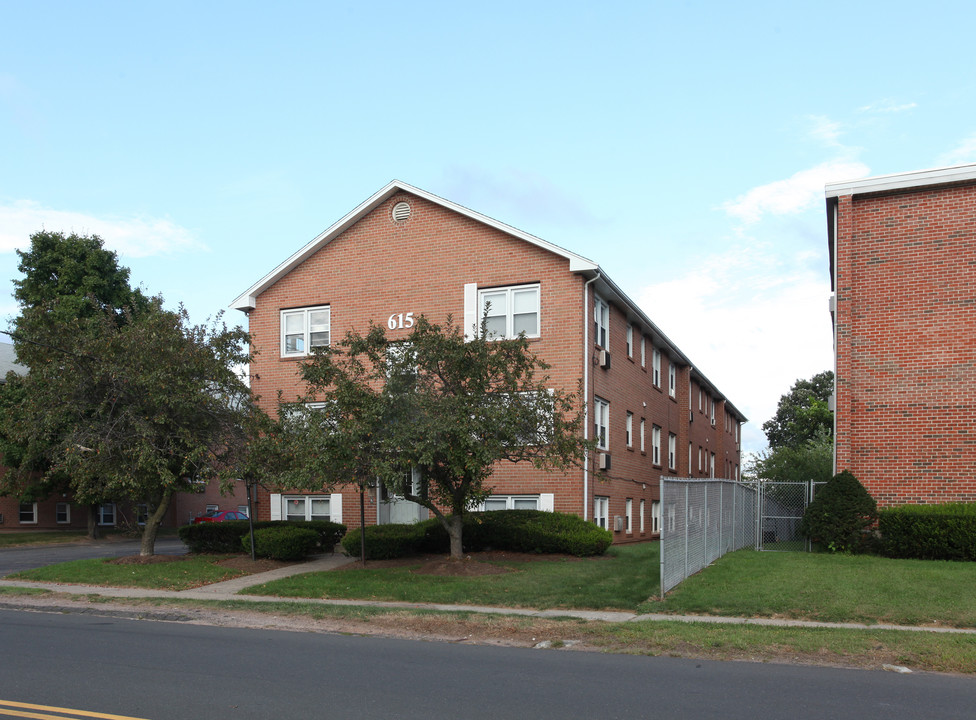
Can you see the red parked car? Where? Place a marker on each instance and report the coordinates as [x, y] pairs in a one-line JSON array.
[[219, 516]]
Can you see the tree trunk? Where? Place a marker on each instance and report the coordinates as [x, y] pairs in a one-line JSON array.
[[153, 522], [454, 526], [93, 522]]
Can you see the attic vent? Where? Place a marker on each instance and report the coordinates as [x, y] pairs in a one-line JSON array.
[[401, 211]]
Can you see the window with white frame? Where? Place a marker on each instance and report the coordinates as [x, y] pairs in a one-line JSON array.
[[656, 445], [62, 513], [212, 509], [656, 516], [510, 311], [511, 502], [601, 423], [629, 429], [672, 451], [142, 514], [643, 422], [643, 351], [656, 367], [712, 467], [630, 341], [640, 522], [601, 510], [601, 322], [242, 509], [672, 379], [304, 329], [305, 507], [713, 412], [690, 446], [629, 515], [28, 513], [106, 514], [700, 451]]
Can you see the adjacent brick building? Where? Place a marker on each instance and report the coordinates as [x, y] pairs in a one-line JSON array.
[[404, 253], [903, 274]]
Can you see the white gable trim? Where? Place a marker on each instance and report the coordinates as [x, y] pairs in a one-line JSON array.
[[247, 301]]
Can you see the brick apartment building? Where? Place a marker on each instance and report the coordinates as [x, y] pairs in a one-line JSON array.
[[404, 253], [903, 276]]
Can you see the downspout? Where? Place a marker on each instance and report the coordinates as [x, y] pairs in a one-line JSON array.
[[586, 392], [833, 221]]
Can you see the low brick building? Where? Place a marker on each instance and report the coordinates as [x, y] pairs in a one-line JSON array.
[[404, 253], [903, 274]]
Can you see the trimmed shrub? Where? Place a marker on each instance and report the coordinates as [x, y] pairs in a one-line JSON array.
[[532, 531], [384, 542], [929, 532], [226, 537], [840, 515], [214, 537], [284, 542]]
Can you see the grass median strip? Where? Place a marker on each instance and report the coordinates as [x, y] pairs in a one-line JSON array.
[[173, 573]]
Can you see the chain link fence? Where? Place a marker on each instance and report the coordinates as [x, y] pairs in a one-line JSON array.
[[701, 520]]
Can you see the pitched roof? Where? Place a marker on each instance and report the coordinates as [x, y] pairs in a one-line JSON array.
[[577, 263]]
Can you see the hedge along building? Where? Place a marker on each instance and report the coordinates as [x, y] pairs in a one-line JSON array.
[[903, 274], [404, 253]]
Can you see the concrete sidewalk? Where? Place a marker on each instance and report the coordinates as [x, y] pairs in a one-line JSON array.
[[229, 589]]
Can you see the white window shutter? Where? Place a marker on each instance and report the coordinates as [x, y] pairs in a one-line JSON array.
[[335, 508], [275, 502], [472, 317], [547, 502]]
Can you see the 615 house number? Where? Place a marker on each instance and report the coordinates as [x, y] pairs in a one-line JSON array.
[[399, 321]]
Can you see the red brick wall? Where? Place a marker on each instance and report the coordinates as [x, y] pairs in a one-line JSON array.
[[379, 267], [906, 343]]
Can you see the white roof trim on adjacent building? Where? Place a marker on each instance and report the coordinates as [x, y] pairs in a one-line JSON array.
[[247, 301], [899, 181]]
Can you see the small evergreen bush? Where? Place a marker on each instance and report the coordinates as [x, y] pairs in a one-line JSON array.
[[384, 542], [929, 532], [532, 531], [840, 515], [226, 537], [284, 542]]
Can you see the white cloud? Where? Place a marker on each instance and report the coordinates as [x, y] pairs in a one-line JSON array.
[[826, 130], [136, 236], [964, 152], [798, 193], [753, 320], [887, 106]]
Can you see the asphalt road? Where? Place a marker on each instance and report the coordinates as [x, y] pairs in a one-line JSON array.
[[15, 559], [174, 671]]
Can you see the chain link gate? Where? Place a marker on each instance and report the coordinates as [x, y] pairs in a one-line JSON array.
[[781, 508]]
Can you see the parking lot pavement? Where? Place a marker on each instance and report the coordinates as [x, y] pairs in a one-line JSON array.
[[15, 559]]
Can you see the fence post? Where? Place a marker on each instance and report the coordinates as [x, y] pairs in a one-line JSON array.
[[686, 530]]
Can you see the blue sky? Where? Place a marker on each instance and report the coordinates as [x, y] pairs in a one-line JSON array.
[[684, 146]]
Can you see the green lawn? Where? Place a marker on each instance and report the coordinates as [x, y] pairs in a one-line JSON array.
[[11, 539], [188, 572], [621, 579], [832, 588]]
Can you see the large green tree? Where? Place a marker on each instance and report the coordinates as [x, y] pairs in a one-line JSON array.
[[136, 410], [450, 407], [803, 414], [68, 280]]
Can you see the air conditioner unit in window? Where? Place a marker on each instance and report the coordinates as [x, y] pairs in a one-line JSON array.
[[604, 461], [618, 523], [605, 359]]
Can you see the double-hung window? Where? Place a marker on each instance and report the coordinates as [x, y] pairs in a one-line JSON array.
[[656, 445], [643, 351], [629, 429], [601, 421], [28, 513], [630, 341], [672, 451], [106, 514], [304, 329], [601, 510], [642, 423], [601, 322], [62, 513], [672, 379], [510, 311], [656, 367]]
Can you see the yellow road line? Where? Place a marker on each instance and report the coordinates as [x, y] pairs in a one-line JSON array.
[[64, 711]]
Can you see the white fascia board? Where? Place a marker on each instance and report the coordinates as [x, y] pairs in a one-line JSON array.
[[901, 181], [245, 302]]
